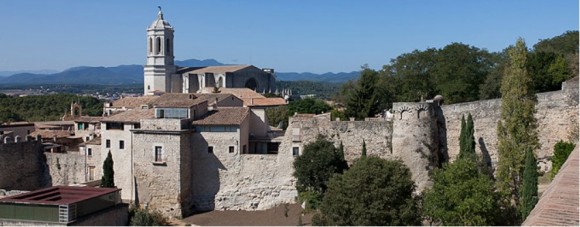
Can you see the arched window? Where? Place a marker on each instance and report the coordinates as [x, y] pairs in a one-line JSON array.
[[167, 46], [150, 45], [220, 82], [157, 45], [251, 84]]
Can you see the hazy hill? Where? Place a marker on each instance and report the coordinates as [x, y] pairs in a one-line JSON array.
[[131, 74]]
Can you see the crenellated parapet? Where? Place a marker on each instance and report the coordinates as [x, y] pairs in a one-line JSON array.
[[22, 163]]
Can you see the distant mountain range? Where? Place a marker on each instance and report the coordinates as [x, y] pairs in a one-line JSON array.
[[133, 74]]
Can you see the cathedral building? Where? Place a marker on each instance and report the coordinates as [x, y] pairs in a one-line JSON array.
[[163, 76]]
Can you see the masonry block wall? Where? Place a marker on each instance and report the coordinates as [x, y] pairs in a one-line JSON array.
[[556, 114], [66, 168], [23, 166]]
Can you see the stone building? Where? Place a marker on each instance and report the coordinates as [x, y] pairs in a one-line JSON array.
[[162, 75]]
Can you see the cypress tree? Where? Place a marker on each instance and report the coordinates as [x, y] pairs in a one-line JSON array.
[[364, 150], [107, 181], [517, 128], [341, 151], [462, 136], [466, 140], [529, 194]]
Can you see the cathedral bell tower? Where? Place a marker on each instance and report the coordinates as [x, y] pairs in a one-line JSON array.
[[160, 67]]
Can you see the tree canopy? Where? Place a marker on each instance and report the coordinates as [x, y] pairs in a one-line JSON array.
[[517, 128], [373, 191], [318, 162], [46, 107], [461, 195]]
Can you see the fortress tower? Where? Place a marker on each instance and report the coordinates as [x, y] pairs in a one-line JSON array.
[[416, 139], [160, 67]]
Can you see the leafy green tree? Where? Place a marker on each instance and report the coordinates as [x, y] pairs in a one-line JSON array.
[[490, 89], [517, 128], [561, 152], [319, 161], [529, 194], [308, 105], [373, 191], [459, 70], [565, 45], [363, 99], [409, 76], [277, 115], [461, 195], [108, 179], [7, 115], [559, 70], [281, 114]]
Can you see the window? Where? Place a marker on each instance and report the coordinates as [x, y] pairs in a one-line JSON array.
[[232, 149], [108, 144], [121, 144], [295, 151], [157, 45], [167, 48], [81, 126], [210, 149], [158, 154], [89, 152], [114, 126], [91, 173]]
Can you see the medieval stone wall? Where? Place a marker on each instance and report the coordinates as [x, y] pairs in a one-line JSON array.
[[158, 183], [23, 165], [556, 114], [66, 168], [376, 134]]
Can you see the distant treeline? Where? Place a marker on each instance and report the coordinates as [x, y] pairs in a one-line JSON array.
[[45, 107]]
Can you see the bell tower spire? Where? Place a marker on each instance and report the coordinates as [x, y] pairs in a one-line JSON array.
[[160, 60]]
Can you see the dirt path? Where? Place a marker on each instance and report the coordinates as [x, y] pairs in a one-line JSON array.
[[287, 215]]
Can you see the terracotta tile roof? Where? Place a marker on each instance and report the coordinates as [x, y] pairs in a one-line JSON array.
[[559, 204], [241, 93], [49, 134], [265, 102], [133, 115], [210, 97], [212, 69], [224, 116], [177, 100], [134, 102], [88, 119], [94, 141]]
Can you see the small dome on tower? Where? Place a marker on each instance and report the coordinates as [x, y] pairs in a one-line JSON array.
[[160, 23]]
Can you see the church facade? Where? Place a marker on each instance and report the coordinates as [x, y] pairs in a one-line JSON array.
[[161, 75]]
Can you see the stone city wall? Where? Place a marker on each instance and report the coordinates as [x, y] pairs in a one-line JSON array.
[[236, 181], [22, 165], [66, 168], [556, 114], [376, 134]]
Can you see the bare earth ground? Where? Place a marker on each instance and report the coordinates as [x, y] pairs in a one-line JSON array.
[[282, 215]]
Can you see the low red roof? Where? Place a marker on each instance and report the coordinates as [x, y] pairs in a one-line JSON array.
[[58, 195]]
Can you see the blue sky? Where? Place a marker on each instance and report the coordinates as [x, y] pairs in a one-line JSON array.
[[299, 36]]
